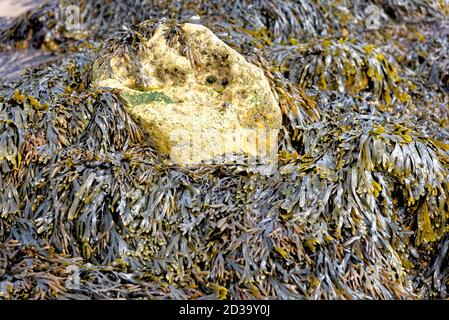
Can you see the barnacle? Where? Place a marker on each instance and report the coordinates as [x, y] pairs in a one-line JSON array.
[[357, 207]]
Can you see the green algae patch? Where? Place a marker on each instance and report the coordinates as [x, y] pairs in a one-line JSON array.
[[146, 97]]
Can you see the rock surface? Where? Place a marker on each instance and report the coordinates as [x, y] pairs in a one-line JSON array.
[[200, 99]]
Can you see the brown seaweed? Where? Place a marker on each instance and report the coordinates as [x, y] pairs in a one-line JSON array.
[[357, 209]]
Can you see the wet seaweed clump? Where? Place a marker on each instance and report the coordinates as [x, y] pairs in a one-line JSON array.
[[356, 208]]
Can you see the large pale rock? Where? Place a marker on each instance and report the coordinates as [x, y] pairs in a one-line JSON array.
[[200, 99]]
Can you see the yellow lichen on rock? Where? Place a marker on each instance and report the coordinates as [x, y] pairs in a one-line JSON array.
[[199, 98]]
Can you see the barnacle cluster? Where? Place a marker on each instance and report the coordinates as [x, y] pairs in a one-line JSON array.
[[358, 207]]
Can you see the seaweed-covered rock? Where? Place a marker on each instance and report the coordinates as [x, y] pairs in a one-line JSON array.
[[198, 98], [357, 208]]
